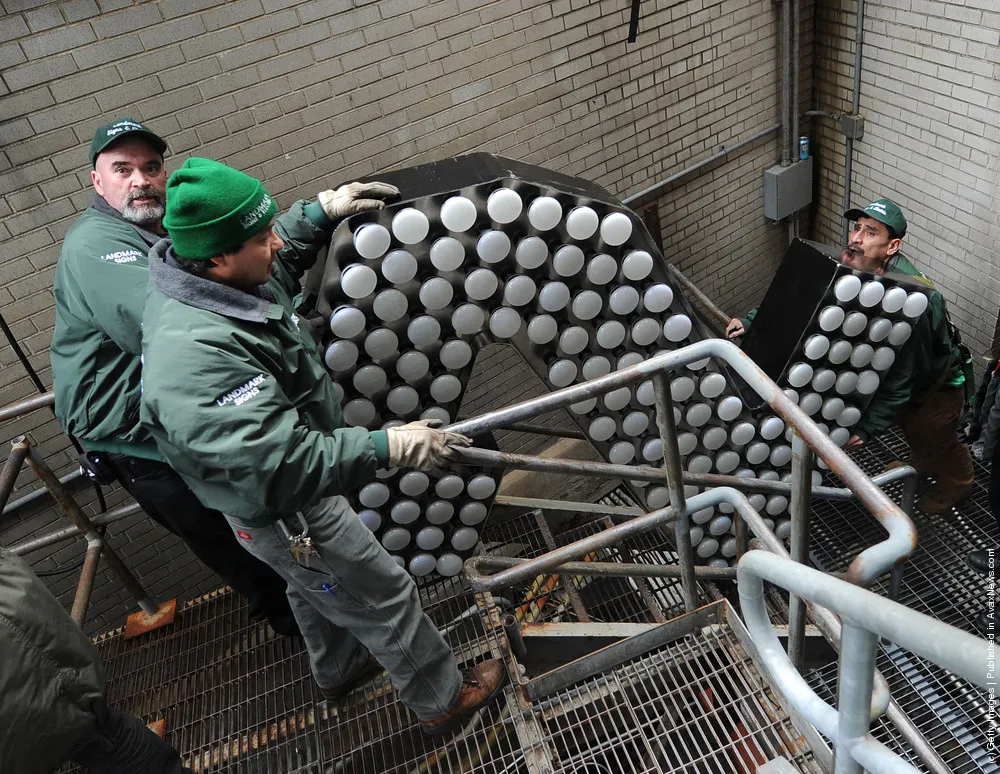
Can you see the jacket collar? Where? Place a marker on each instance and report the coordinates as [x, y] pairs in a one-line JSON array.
[[206, 294], [101, 205]]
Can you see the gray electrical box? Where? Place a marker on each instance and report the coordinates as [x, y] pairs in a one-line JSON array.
[[788, 189]]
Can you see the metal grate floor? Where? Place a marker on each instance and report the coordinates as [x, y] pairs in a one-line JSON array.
[[952, 714]]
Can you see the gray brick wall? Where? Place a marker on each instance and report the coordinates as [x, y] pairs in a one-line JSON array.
[[308, 94], [930, 97]]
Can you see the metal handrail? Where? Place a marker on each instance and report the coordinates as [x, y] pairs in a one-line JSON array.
[[865, 616]]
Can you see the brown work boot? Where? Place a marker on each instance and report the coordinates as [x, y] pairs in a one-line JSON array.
[[935, 501], [480, 686], [356, 679]]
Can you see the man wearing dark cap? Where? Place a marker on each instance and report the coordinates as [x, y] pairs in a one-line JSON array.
[[239, 402], [924, 390], [100, 290]]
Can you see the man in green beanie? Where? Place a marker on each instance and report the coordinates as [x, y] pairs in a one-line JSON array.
[[239, 403]]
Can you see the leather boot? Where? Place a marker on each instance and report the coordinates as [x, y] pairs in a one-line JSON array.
[[981, 560], [935, 501], [356, 679], [480, 687]]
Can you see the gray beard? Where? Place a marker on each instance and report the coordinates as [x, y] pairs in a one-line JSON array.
[[145, 216]]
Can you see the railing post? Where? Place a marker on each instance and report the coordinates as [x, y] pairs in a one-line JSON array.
[[802, 465], [675, 483], [854, 679], [19, 448]]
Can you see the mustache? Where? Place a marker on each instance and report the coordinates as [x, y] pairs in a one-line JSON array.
[[148, 192]]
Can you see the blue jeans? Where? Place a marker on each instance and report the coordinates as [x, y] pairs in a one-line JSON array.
[[353, 597]]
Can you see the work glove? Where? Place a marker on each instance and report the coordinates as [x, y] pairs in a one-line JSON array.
[[421, 446], [352, 198]]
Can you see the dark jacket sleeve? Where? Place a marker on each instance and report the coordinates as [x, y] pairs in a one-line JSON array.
[[748, 319], [991, 418], [305, 230]]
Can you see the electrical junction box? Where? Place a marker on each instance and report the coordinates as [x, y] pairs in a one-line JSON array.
[[787, 189]]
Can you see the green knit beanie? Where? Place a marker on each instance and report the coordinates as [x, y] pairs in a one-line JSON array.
[[213, 209]]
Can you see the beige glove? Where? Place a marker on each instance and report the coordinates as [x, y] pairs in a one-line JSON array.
[[420, 446], [352, 198]]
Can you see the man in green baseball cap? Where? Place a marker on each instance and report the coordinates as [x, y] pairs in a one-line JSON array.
[[240, 404], [877, 236]]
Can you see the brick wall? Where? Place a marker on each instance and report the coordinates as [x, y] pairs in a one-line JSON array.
[[930, 96], [307, 94]]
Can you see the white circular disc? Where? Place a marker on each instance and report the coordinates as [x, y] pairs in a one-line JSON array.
[[727, 461], [883, 358], [698, 414], [493, 246], [686, 443], [519, 290], [468, 319], [358, 281], [868, 382], [447, 254], [505, 322], [677, 327], [817, 346], [423, 331], [436, 413], [709, 546], [390, 305], [405, 512], [359, 412], [370, 380], [871, 293], [429, 538], [720, 525], [729, 408], [742, 433], [645, 394], [449, 565], [581, 223], [587, 304], [544, 213], [635, 423], [840, 436], [412, 366], [854, 323], [714, 438], [696, 533], [791, 394], [879, 329], [346, 322], [481, 487], [893, 300], [618, 399], [371, 519], [831, 318], [616, 228], [810, 403], [727, 549], [372, 240], [610, 334], [900, 333], [628, 360], [682, 388], [757, 452], [472, 513], [621, 453], [712, 385], [553, 296], [504, 205], [783, 529], [699, 463], [531, 252], [455, 354], [446, 388], [824, 379], [341, 355], [637, 265], [568, 261], [439, 512], [657, 497], [758, 501], [414, 483], [338, 392], [481, 284], [862, 355], [849, 417], [602, 269], [573, 340], [449, 486], [839, 352], [584, 406], [542, 329], [410, 226], [915, 305], [623, 300], [847, 288], [602, 428], [437, 292], [652, 450], [800, 374], [399, 266], [422, 564], [847, 381], [771, 428], [395, 538], [373, 495], [458, 214], [780, 455], [562, 373], [832, 408], [402, 400], [657, 298], [776, 504]]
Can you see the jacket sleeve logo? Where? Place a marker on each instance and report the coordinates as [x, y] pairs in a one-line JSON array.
[[243, 393], [123, 256]]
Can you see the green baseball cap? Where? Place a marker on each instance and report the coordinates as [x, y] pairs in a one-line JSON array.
[[884, 211], [109, 133]]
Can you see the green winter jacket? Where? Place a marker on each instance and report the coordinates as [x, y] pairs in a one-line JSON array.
[[51, 679], [100, 289], [237, 399], [928, 355]]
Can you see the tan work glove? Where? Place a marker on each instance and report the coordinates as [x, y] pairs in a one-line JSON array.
[[420, 446], [352, 198]]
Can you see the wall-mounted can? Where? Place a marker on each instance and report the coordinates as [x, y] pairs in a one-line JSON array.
[[803, 148]]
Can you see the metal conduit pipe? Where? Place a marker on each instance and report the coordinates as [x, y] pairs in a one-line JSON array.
[[859, 37], [11, 467], [715, 313], [795, 55], [29, 498], [65, 533], [786, 58], [26, 406]]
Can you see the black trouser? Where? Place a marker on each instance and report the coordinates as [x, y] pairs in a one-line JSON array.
[[167, 499], [122, 744]]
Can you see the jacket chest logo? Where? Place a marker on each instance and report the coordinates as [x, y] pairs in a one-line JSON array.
[[243, 393]]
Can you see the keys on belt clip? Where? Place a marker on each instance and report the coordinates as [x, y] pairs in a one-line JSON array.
[[301, 545]]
